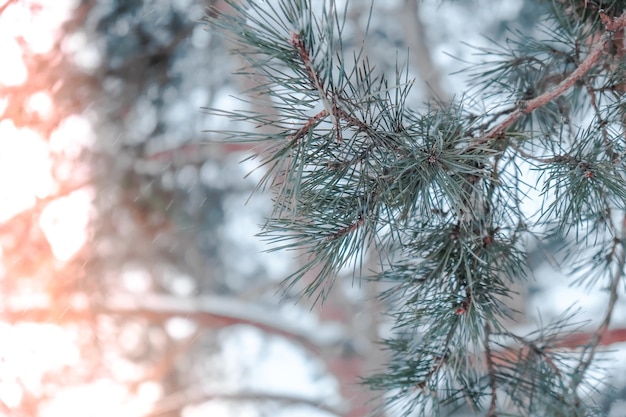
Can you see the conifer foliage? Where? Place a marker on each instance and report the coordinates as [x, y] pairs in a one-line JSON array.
[[443, 191]]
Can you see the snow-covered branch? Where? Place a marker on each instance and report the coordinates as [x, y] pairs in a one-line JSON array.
[[206, 311]]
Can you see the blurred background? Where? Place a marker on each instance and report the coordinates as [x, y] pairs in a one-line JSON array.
[[131, 280]]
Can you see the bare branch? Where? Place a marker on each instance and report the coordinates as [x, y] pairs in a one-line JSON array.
[[180, 400], [207, 311], [6, 5]]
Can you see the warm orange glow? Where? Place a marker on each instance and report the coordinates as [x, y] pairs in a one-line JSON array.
[[35, 168], [13, 71], [25, 169], [36, 22], [31, 351], [40, 103], [102, 398], [64, 223]]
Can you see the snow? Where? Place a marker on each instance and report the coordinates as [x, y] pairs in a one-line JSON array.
[[15, 73], [200, 37], [275, 369], [64, 222], [454, 36], [35, 349], [83, 51], [231, 309], [40, 103], [24, 155]]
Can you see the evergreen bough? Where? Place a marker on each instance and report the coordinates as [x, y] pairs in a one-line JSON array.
[[442, 193]]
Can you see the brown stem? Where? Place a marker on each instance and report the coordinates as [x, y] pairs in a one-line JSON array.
[[492, 412], [316, 82], [307, 126], [609, 337], [533, 157], [297, 42], [329, 98], [6, 5], [348, 229]]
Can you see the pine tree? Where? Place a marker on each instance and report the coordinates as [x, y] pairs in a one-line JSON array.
[[442, 192]]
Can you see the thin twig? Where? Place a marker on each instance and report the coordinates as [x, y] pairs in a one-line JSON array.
[[6, 5], [348, 229], [353, 121], [610, 337], [605, 135], [492, 118], [316, 82], [307, 126], [533, 157], [333, 109], [178, 401], [492, 376], [440, 362], [613, 297]]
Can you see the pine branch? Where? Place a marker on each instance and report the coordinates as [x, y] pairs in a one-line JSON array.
[[527, 107], [443, 189]]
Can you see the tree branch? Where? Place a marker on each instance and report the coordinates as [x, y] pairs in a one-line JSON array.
[[529, 106], [207, 311], [6, 5], [180, 400]]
